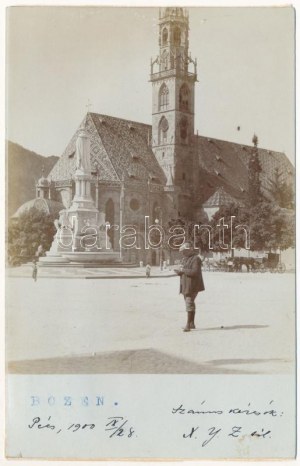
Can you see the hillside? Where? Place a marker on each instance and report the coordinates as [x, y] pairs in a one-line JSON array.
[[23, 169]]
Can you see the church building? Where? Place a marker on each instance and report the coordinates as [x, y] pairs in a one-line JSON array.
[[164, 170]]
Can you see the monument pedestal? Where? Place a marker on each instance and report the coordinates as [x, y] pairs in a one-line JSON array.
[[81, 236]]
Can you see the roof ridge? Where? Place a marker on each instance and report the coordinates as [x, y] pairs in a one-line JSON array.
[[122, 119], [209, 138]]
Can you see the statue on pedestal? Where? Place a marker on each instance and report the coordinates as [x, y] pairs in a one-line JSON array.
[[83, 152]]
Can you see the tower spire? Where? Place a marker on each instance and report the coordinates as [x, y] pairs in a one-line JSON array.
[[173, 77]]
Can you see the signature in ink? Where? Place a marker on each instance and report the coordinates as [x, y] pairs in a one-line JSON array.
[[213, 432]]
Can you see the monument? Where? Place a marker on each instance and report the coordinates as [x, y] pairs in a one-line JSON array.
[[81, 231]]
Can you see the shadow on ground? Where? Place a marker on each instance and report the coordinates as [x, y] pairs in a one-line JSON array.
[[236, 327], [227, 362], [143, 361]]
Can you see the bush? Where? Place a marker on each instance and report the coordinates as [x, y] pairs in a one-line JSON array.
[[25, 234]]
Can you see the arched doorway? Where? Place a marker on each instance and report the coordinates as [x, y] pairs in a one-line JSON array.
[[110, 217], [154, 257]]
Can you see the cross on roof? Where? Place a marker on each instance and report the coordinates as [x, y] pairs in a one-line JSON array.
[[88, 105]]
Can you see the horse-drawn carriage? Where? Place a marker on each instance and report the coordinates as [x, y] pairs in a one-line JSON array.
[[268, 263]]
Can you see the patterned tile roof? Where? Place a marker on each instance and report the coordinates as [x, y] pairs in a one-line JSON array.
[[220, 198], [224, 163], [128, 144], [122, 148], [118, 147]]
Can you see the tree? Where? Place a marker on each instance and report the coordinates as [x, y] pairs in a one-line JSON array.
[[271, 227], [26, 233], [192, 232], [281, 191], [268, 227], [228, 226], [254, 169], [287, 196]]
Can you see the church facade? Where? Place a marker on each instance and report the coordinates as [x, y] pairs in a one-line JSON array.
[[164, 170]]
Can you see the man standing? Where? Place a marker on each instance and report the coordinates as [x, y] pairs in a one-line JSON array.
[[148, 270], [191, 281], [34, 271]]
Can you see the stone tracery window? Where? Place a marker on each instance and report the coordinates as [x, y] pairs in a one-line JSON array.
[[163, 97], [163, 131]]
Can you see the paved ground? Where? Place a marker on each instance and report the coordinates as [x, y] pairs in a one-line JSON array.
[[245, 324], [25, 271]]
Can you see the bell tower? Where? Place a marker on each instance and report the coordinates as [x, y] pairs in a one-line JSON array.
[[173, 84]]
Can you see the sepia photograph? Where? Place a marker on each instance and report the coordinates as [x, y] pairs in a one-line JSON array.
[[150, 229]]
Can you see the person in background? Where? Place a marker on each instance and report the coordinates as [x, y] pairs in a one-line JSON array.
[[191, 281], [148, 270], [34, 271]]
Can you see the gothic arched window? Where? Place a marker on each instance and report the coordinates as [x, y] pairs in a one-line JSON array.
[[164, 36], [163, 131], [177, 36], [184, 97], [163, 97]]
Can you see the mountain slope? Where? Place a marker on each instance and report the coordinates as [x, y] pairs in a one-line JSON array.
[[23, 169]]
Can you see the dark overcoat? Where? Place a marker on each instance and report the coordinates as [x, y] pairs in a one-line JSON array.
[[191, 280]]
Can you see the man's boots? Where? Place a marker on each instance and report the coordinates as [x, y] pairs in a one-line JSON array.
[[192, 323], [187, 328]]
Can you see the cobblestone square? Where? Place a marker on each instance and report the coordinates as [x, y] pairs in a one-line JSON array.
[[245, 323]]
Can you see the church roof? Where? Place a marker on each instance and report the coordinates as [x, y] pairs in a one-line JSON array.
[[224, 163], [220, 198], [118, 148], [123, 148]]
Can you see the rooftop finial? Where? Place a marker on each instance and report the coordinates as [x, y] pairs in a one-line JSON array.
[[88, 106], [255, 140], [172, 11]]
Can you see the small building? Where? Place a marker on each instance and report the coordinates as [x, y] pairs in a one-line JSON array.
[[219, 199], [42, 201]]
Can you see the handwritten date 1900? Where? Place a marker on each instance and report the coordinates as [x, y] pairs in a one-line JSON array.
[[116, 426], [36, 423]]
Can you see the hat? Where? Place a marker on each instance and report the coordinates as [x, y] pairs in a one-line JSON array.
[[186, 245]]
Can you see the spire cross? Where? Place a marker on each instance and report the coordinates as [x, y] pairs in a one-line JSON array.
[[88, 105]]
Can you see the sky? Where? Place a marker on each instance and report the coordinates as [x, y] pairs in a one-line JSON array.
[[58, 59]]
